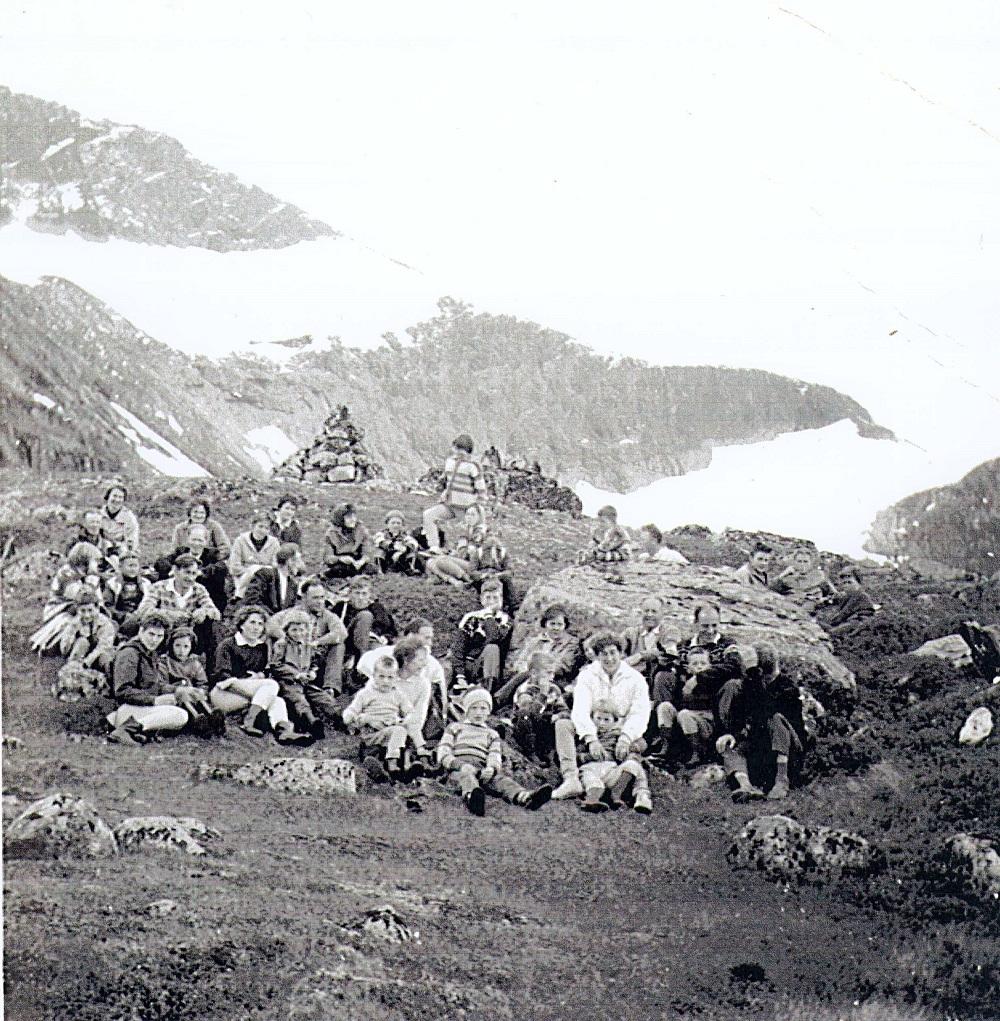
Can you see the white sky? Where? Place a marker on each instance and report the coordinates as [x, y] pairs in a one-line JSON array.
[[722, 182]]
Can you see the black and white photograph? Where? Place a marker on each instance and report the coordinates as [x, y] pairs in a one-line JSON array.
[[500, 510]]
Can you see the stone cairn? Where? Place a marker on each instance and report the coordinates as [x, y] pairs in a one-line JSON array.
[[336, 455]]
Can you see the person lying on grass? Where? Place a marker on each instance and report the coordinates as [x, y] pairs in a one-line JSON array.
[[605, 781], [80, 571], [291, 665], [653, 550], [452, 565], [149, 702], [89, 638], [386, 721], [471, 754], [242, 684], [607, 679]]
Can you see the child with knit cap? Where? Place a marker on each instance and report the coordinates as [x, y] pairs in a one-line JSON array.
[[470, 752], [386, 719], [291, 665], [605, 781]]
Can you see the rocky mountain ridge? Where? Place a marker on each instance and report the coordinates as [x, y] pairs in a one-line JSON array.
[[62, 172], [955, 527], [89, 389]]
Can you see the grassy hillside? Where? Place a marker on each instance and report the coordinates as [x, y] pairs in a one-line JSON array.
[[547, 915]]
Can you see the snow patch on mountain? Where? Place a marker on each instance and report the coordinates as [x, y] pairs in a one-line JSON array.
[[821, 484], [162, 455], [269, 446]]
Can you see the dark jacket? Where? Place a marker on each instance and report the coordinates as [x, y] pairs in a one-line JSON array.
[[382, 623], [293, 533], [478, 629], [264, 590], [138, 676], [746, 705], [233, 660]]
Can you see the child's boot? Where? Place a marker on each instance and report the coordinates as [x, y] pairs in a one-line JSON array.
[[285, 733], [780, 789], [533, 800], [255, 721], [745, 790], [643, 803], [130, 732], [475, 801]]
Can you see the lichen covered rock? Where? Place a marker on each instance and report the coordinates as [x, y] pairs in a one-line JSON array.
[[785, 849], [750, 615], [976, 862], [293, 776], [59, 825], [165, 831]]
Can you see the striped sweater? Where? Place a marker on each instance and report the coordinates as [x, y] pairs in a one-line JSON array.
[[373, 708], [463, 483], [470, 744]]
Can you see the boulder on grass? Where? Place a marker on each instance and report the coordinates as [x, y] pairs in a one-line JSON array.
[[976, 862], [951, 648], [142, 831], [749, 615], [76, 682], [57, 826], [785, 849], [977, 728], [293, 776]]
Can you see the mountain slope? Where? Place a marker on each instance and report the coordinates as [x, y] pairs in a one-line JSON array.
[[87, 388], [956, 525], [64, 172]]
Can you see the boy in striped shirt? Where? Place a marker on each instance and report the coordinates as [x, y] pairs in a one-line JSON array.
[[385, 718], [471, 754], [464, 486]]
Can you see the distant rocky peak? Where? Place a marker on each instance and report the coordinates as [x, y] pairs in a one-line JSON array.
[[63, 172]]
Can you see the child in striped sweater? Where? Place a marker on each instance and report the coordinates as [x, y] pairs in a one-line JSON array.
[[385, 718], [605, 780], [471, 754]]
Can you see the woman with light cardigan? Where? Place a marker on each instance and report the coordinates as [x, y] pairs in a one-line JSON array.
[[251, 551]]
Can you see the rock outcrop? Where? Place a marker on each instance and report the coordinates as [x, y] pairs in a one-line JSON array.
[[750, 615], [975, 862], [163, 831], [785, 849], [336, 455], [59, 825], [104, 180], [952, 649], [292, 776]]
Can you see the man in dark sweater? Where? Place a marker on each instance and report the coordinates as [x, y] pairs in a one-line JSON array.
[[366, 619], [483, 640], [759, 717]]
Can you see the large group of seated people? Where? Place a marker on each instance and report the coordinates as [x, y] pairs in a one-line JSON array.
[[213, 630]]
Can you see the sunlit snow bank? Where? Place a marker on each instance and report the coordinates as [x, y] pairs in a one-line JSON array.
[[155, 450], [269, 446], [821, 484]]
